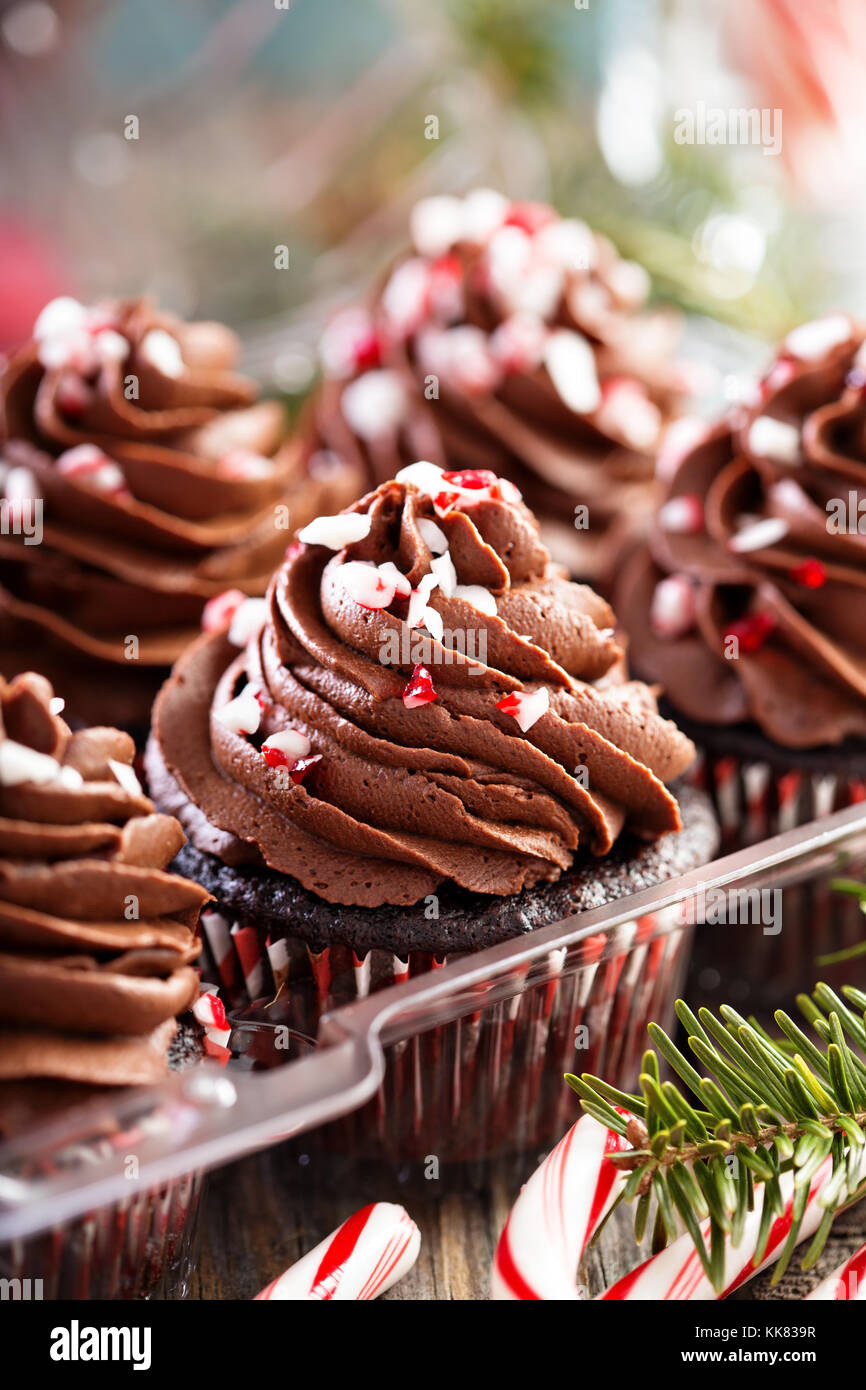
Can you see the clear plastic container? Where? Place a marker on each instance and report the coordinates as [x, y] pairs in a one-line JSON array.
[[463, 1062]]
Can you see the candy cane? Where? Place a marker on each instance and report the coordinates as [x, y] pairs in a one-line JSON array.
[[845, 1284], [357, 1262], [563, 1203]]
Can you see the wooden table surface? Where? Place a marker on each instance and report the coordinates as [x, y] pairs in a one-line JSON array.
[[262, 1214]]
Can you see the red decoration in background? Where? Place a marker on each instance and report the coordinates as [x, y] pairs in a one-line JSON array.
[[31, 277], [530, 217], [752, 631], [812, 574]]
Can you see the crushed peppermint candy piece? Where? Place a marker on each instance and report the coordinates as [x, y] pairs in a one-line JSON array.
[[446, 297], [248, 620], [526, 706], [461, 357], [431, 619], [285, 747], [484, 211], [302, 767], [419, 690], [443, 567], [436, 224], [418, 600], [125, 775], [21, 485], [570, 364], [87, 465], [673, 609], [391, 575], [432, 535], [245, 465], [163, 352], [759, 535], [368, 585], [350, 344], [518, 342], [406, 297], [62, 315], [629, 283], [683, 515], [627, 411], [812, 340], [530, 217], [478, 597], [218, 612], [678, 440], [810, 573], [336, 532], [72, 395], [569, 242], [20, 764], [473, 479], [375, 404], [751, 632], [56, 704], [243, 714], [210, 1010], [774, 439]]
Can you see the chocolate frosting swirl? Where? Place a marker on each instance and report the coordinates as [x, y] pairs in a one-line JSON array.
[[547, 370], [163, 480], [96, 938], [422, 776], [762, 539]]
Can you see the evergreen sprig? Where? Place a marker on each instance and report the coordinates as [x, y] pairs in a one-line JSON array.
[[765, 1107]]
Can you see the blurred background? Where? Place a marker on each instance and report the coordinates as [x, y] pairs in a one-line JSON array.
[[171, 147]]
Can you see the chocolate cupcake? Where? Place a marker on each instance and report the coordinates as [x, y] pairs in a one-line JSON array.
[[513, 340], [432, 745], [141, 477], [749, 605], [97, 942]]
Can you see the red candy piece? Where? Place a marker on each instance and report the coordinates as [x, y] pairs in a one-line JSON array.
[[752, 631], [811, 574], [302, 767], [218, 612], [783, 370], [367, 351], [72, 394], [275, 757], [420, 690], [472, 477], [530, 217]]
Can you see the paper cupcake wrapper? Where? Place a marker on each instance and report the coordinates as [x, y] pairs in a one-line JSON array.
[[488, 1084], [745, 966], [140, 1247]]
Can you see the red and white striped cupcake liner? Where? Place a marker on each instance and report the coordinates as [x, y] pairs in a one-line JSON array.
[[484, 1085], [140, 1247]]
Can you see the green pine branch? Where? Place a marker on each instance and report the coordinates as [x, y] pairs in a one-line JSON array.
[[766, 1107]]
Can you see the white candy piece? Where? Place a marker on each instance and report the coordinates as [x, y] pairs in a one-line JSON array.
[[418, 600], [679, 439], [570, 364], [478, 597], [289, 741], [21, 485], [56, 704], [404, 298], [367, 585], [374, 405], [336, 532], [20, 764], [436, 224], [125, 775], [356, 1263], [163, 352], [683, 515], [626, 410], [759, 535], [484, 211], [443, 567], [629, 282], [245, 464], [431, 618], [111, 346], [243, 714], [59, 317], [92, 469], [518, 342], [529, 706], [432, 535], [426, 476], [569, 242], [811, 341], [673, 610], [392, 575], [248, 620], [774, 439]]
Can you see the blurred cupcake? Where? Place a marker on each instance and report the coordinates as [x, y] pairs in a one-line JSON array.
[[97, 942], [749, 606], [510, 339], [431, 746], [141, 477]]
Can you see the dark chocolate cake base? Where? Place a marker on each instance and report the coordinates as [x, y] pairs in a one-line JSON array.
[[466, 921]]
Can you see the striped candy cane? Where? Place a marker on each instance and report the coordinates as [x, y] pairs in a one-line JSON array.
[[357, 1262], [845, 1284], [563, 1203]]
